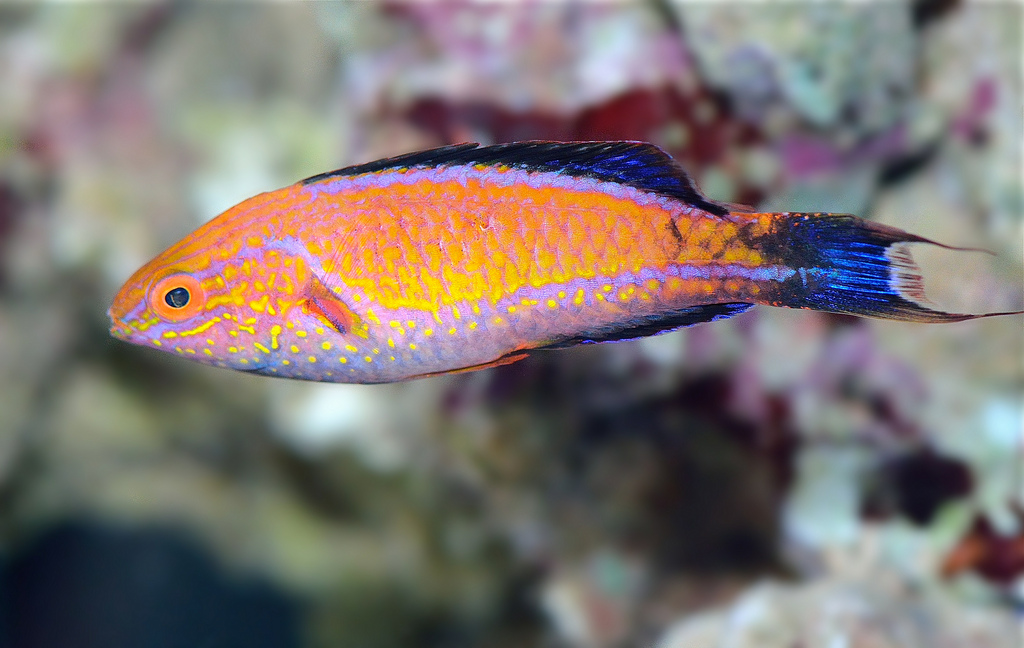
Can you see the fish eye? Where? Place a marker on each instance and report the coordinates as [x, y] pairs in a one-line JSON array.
[[177, 297]]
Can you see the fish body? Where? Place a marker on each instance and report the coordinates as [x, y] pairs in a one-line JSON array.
[[466, 257]]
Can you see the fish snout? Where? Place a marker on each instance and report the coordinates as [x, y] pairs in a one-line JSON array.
[[118, 328]]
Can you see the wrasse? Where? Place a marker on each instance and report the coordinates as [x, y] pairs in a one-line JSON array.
[[466, 257]]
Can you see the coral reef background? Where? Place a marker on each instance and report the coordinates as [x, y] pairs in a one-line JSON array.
[[784, 478]]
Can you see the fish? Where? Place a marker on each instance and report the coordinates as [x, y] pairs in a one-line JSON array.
[[466, 257]]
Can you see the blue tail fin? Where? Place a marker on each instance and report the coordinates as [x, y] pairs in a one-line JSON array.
[[848, 265]]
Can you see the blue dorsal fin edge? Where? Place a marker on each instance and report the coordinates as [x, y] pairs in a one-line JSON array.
[[655, 325], [639, 165]]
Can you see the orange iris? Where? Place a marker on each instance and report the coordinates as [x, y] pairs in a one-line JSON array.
[[177, 297]]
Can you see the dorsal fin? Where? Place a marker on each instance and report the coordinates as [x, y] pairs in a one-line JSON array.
[[655, 325], [636, 164]]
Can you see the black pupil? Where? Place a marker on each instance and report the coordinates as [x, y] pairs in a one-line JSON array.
[[177, 297]]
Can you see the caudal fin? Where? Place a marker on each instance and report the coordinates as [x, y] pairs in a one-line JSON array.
[[848, 265]]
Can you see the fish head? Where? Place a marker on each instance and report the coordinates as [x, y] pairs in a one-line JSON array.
[[186, 300], [242, 294]]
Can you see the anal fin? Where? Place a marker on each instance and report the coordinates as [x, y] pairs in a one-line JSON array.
[[654, 326], [515, 356]]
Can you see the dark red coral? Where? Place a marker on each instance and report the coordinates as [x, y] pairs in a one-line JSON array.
[[984, 550]]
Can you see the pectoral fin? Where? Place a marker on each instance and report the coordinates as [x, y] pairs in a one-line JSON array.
[[332, 310]]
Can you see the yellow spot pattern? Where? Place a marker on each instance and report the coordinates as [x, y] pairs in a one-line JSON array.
[[403, 256]]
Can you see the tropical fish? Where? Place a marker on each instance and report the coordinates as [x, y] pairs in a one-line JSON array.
[[467, 256]]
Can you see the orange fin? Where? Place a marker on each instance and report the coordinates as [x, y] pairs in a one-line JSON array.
[[336, 313], [503, 360]]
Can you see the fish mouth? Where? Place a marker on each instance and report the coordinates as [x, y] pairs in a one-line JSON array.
[[120, 331], [118, 328]]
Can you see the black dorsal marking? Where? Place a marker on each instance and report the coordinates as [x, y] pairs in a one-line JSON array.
[[653, 326], [636, 164]]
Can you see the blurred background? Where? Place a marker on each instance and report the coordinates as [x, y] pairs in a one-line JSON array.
[[780, 479]]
